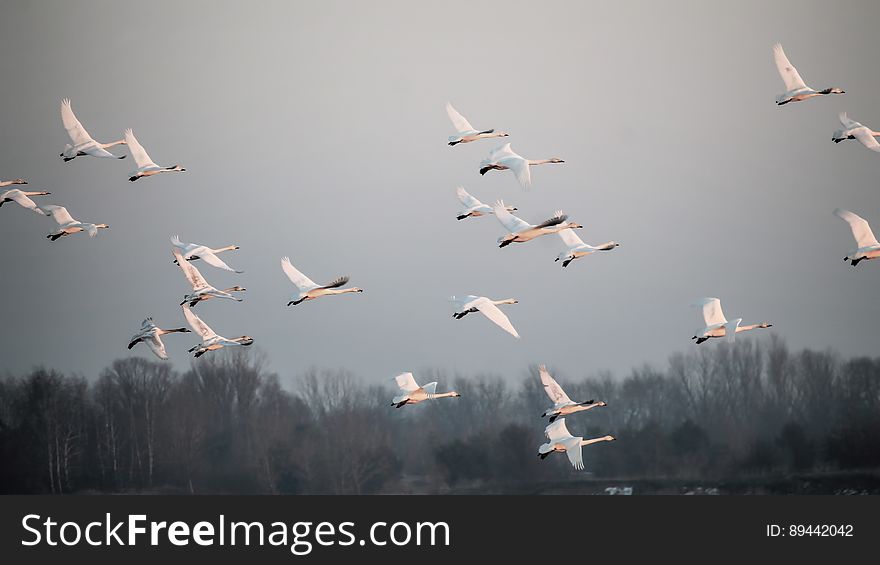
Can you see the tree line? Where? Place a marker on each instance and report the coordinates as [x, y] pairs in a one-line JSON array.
[[227, 425]]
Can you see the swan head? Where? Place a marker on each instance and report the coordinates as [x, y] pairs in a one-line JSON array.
[[454, 394], [19, 181], [245, 340], [573, 225], [765, 325], [599, 403], [834, 90], [503, 134], [609, 438], [102, 226], [237, 288], [555, 160]]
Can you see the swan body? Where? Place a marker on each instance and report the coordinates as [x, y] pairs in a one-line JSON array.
[[795, 88], [22, 198], [467, 132], [561, 440], [717, 325], [562, 404], [868, 247], [521, 232], [193, 251], [146, 166], [210, 340], [83, 144], [201, 290], [576, 248], [308, 289], [854, 130], [151, 334], [503, 158], [412, 393], [67, 225], [487, 307], [473, 208], [5, 183]]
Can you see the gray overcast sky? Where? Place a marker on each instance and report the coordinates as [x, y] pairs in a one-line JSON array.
[[317, 130]]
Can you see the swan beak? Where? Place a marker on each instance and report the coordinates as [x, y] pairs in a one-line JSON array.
[[557, 259]]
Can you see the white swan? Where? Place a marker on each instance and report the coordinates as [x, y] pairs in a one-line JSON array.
[[561, 440], [577, 248], [83, 144], [412, 393], [5, 183], [146, 166], [717, 325], [503, 158], [488, 308], [308, 289], [562, 404], [210, 340], [201, 290], [151, 334], [466, 132], [521, 232], [854, 130], [795, 88], [21, 197], [67, 225], [193, 251], [868, 247], [473, 208]]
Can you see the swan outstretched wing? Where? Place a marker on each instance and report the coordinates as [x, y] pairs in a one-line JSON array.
[[846, 122], [521, 170], [430, 388], [557, 219], [299, 280], [192, 274], [156, 346], [501, 152], [459, 122], [789, 74], [75, 129], [860, 229], [730, 329], [406, 382], [59, 214], [864, 136], [552, 388], [510, 222], [341, 281], [197, 324], [137, 151], [575, 453], [463, 301], [97, 151], [211, 259], [488, 309], [712, 314], [466, 199], [571, 239], [557, 430]]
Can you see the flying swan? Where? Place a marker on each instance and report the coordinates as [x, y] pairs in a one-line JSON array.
[[488, 308], [67, 225], [210, 340], [83, 144], [146, 166], [562, 404], [868, 247], [194, 251], [201, 290], [21, 197], [151, 334], [854, 130], [795, 88], [577, 248], [308, 289], [561, 440], [412, 393], [466, 132], [503, 158], [717, 325], [473, 208], [521, 232]]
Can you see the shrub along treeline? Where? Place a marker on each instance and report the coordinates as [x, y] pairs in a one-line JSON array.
[[227, 426]]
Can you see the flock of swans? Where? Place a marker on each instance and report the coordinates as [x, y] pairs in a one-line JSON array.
[[516, 230]]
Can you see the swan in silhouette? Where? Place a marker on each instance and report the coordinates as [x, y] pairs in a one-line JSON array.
[[151, 334], [717, 325], [308, 289], [562, 404], [868, 247], [503, 158], [854, 130], [5, 183], [67, 225], [201, 290], [83, 144], [466, 132], [795, 88], [194, 251], [412, 393], [21, 197], [561, 440], [521, 232], [577, 248], [488, 308], [210, 340], [146, 166], [473, 208]]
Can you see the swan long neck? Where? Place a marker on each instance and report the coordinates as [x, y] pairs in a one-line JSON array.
[[752, 327], [342, 290], [505, 301], [595, 440], [443, 395], [227, 248], [543, 161], [35, 193], [113, 144]]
